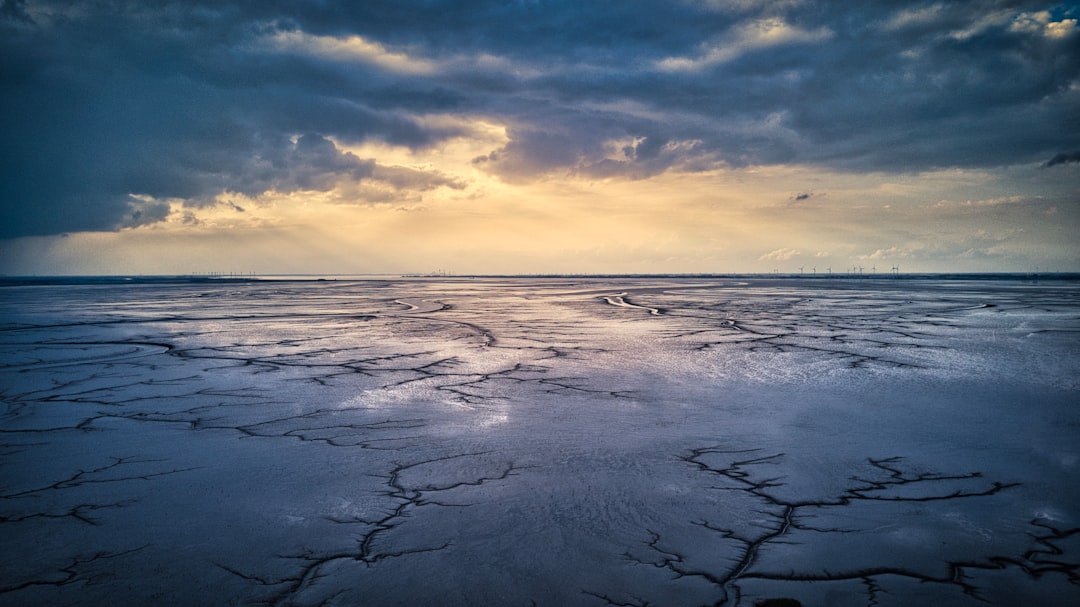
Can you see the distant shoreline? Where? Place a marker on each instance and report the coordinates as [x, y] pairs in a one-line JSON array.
[[8, 281]]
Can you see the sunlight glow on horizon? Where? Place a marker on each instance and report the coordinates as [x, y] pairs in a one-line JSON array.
[[756, 220], [624, 138]]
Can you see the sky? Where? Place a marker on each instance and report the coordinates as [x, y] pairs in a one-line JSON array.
[[524, 137]]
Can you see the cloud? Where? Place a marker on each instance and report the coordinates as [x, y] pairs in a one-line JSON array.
[[803, 196], [143, 212], [349, 48], [15, 10], [1063, 158], [746, 38], [1041, 22], [998, 201], [188, 100], [415, 180], [784, 254], [914, 17], [889, 253]]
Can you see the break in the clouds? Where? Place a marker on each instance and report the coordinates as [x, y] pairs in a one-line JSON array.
[[117, 113]]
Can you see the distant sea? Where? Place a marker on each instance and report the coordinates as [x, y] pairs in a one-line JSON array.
[[7, 281]]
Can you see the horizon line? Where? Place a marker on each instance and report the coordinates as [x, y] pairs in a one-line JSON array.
[[314, 276]]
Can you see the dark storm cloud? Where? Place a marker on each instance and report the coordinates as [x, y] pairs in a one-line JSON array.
[[186, 100], [1063, 158], [144, 213], [15, 10]]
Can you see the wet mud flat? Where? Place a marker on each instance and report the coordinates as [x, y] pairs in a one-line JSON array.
[[528, 441]]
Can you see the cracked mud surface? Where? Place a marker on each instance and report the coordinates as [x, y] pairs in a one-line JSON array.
[[540, 442]]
